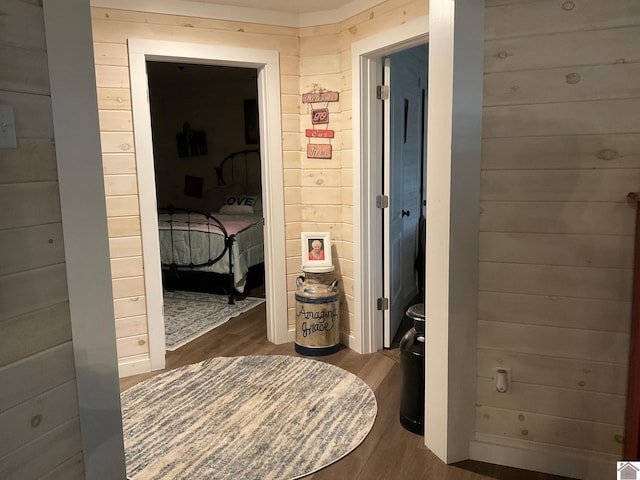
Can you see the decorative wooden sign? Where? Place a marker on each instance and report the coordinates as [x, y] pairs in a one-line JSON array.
[[320, 116], [315, 150], [316, 97], [313, 133]]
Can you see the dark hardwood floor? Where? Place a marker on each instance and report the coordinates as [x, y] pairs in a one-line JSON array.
[[389, 451]]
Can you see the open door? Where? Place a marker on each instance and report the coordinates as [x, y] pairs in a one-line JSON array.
[[402, 179]]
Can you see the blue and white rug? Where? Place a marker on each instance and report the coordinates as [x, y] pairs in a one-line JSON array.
[[244, 418], [187, 315]]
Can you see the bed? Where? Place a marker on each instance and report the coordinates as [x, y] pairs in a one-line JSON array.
[[220, 245], [223, 244]]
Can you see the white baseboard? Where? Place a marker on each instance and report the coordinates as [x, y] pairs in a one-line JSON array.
[[134, 365], [568, 462], [291, 335], [349, 341]]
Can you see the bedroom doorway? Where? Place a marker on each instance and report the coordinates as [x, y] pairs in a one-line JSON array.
[[403, 179], [204, 122], [266, 65]]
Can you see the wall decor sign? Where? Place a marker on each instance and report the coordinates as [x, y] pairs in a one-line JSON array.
[[319, 116], [319, 97], [319, 150], [313, 133]]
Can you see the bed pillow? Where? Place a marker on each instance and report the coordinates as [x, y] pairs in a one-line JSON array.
[[238, 204], [258, 205]]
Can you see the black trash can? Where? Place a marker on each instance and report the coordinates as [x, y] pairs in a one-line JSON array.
[[412, 365]]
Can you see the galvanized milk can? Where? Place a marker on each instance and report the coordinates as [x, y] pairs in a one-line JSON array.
[[317, 307]]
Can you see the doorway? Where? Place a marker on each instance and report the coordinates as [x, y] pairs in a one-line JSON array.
[[205, 151], [368, 61], [403, 179], [266, 64]]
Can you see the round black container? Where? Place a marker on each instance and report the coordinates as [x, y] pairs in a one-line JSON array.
[[412, 365]]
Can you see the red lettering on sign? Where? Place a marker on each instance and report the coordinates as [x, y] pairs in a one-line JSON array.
[[312, 133]]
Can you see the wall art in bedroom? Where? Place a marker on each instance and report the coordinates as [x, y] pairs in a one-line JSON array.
[[191, 142]]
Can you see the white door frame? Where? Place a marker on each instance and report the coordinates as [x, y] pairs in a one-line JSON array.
[[455, 33], [268, 66], [67, 26], [367, 63]]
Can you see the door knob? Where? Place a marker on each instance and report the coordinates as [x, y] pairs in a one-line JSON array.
[[405, 213]]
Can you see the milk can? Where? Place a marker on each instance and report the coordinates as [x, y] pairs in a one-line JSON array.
[[412, 366], [317, 307]]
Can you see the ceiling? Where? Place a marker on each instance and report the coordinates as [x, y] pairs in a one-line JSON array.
[[295, 6], [293, 13]]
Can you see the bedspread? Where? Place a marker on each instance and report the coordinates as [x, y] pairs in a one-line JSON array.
[[194, 241]]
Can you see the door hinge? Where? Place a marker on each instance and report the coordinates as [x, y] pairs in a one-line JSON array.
[[382, 92], [382, 201], [383, 304]]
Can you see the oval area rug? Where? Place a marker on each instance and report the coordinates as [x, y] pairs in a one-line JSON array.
[[239, 418]]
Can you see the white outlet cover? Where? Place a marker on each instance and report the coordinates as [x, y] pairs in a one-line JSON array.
[[7, 128]]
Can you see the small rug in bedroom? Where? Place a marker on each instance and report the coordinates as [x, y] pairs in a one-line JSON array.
[[244, 418], [187, 315]]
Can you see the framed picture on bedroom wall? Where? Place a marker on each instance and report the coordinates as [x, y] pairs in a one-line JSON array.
[[316, 249], [251, 127]]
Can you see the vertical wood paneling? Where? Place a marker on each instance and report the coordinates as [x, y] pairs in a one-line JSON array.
[[561, 150]]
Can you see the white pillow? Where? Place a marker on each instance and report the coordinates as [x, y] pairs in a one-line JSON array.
[[240, 200], [258, 205]]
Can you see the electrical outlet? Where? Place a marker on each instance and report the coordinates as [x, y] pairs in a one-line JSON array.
[[502, 379]]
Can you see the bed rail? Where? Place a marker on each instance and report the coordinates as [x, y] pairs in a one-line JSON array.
[[195, 217]]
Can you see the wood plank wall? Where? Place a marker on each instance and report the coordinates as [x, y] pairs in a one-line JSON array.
[[560, 152], [111, 30], [38, 400], [326, 64], [318, 193]]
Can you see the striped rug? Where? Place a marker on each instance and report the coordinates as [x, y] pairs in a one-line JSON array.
[[187, 315], [239, 418]]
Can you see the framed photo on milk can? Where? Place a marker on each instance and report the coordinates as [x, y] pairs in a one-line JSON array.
[[316, 249]]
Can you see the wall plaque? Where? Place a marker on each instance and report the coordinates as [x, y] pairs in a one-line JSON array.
[[313, 133], [320, 116], [316, 97], [316, 150]]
